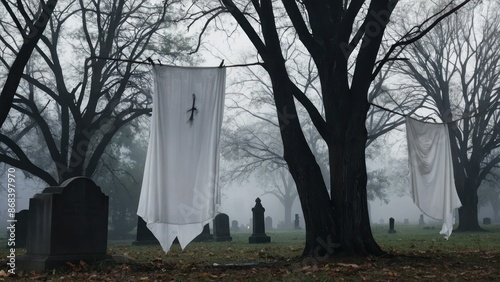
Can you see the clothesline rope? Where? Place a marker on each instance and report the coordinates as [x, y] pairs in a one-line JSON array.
[[447, 122], [149, 61]]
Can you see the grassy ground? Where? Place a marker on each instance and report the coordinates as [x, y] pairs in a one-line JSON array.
[[414, 254]]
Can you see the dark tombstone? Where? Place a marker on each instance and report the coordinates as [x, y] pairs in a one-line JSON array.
[[259, 228], [391, 226], [407, 221], [221, 228], [21, 230], [144, 236], [421, 220], [487, 221], [296, 221], [67, 223], [205, 235], [269, 223], [234, 226]]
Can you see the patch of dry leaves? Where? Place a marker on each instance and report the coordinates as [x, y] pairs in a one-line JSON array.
[[476, 266]]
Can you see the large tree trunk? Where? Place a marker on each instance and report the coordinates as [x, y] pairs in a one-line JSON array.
[[341, 224], [313, 194], [349, 178], [318, 215], [466, 188], [468, 213]]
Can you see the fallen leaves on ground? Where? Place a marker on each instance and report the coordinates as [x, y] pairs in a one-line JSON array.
[[265, 264]]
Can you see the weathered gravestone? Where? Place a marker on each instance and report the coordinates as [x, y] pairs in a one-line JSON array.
[[296, 221], [221, 228], [391, 226], [144, 236], [234, 226], [269, 223], [487, 221], [407, 221], [259, 228], [68, 223], [20, 231], [205, 235]]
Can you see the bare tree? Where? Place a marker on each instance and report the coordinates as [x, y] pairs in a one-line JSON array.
[[77, 105], [457, 65], [337, 222]]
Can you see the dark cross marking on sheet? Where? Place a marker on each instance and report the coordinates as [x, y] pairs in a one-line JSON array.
[[193, 111]]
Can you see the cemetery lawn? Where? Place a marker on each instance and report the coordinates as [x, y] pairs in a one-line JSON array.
[[414, 254]]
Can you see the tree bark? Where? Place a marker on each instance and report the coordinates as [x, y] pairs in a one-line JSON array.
[[313, 195], [349, 178], [468, 213], [465, 184]]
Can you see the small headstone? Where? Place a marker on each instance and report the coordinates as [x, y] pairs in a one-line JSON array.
[[205, 235], [20, 231], [144, 236], [221, 228], [407, 221], [487, 221], [421, 220], [297, 222], [259, 228], [391, 226], [234, 226], [269, 223], [67, 223]]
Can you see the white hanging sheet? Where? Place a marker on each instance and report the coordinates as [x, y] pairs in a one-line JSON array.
[[431, 171], [179, 193]]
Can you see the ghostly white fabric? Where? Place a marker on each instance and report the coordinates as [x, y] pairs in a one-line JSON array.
[[179, 193], [431, 171]]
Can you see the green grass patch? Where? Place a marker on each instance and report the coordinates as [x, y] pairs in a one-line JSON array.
[[411, 237]]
